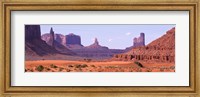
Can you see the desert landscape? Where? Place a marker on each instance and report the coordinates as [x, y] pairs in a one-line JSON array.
[[53, 52]]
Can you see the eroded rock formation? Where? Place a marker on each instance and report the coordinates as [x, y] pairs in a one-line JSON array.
[[96, 45], [32, 32], [159, 50], [97, 51], [140, 41], [137, 42], [34, 45], [73, 39], [51, 40], [57, 37], [69, 41]]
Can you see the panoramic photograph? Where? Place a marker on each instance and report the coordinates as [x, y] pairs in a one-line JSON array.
[[100, 48]]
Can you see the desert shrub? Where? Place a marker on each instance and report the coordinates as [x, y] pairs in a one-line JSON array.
[[78, 66], [172, 67], [138, 70], [92, 65], [139, 64], [68, 70], [39, 68], [149, 70], [130, 67], [84, 65], [88, 60], [53, 66], [48, 69], [78, 70], [81, 66], [60, 69], [112, 67], [70, 66], [163, 68]]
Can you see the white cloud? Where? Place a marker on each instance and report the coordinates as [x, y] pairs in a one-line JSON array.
[[128, 33], [109, 40]]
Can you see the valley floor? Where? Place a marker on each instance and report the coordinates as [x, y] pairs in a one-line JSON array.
[[96, 66]]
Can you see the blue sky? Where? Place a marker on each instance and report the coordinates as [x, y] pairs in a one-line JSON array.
[[114, 36]]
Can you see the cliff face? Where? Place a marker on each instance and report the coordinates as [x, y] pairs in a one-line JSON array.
[[73, 39], [167, 41], [60, 38], [51, 41], [70, 41], [57, 37], [34, 45], [38, 48], [32, 32], [159, 50]]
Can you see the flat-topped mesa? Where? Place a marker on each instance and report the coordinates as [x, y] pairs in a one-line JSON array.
[[140, 41], [72, 39], [32, 32]]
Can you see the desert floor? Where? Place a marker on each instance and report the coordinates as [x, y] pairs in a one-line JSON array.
[[98, 66]]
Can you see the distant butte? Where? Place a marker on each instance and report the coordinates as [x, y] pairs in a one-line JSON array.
[[140, 41], [96, 45], [159, 50], [36, 48], [34, 45], [137, 42], [72, 39], [57, 45]]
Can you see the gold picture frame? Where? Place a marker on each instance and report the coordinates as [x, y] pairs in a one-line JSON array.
[[120, 5]]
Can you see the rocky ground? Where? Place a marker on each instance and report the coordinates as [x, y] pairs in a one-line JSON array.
[[96, 66]]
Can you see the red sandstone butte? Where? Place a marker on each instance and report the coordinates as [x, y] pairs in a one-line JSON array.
[[159, 50]]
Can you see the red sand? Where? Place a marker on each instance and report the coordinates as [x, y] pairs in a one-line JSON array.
[[100, 66]]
